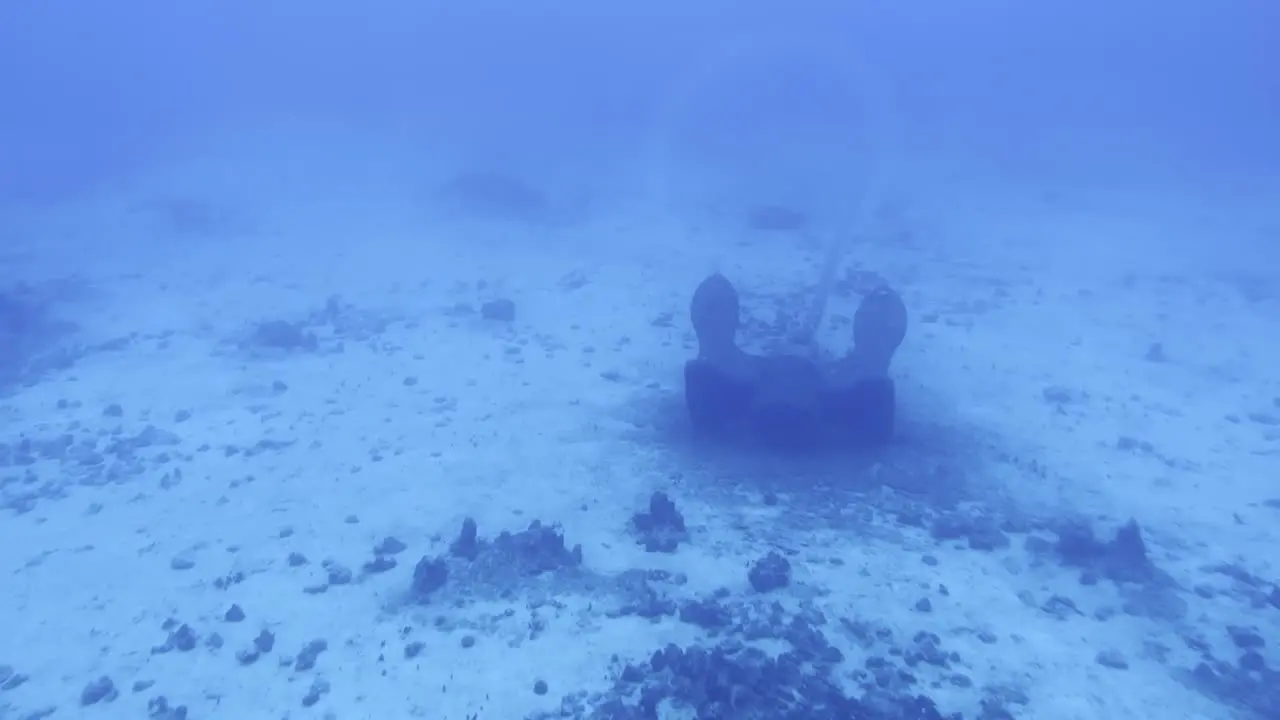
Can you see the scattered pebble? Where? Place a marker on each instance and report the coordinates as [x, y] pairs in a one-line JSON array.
[[309, 654], [1112, 659], [389, 546], [319, 688], [182, 562], [264, 642], [99, 690], [769, 573], [500, 310]]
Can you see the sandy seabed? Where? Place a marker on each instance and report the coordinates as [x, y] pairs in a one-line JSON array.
[[234, 529]]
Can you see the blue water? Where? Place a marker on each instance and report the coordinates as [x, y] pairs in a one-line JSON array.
[[285, 277]]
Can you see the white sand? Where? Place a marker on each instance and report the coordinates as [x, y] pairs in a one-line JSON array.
[[507, 437]]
